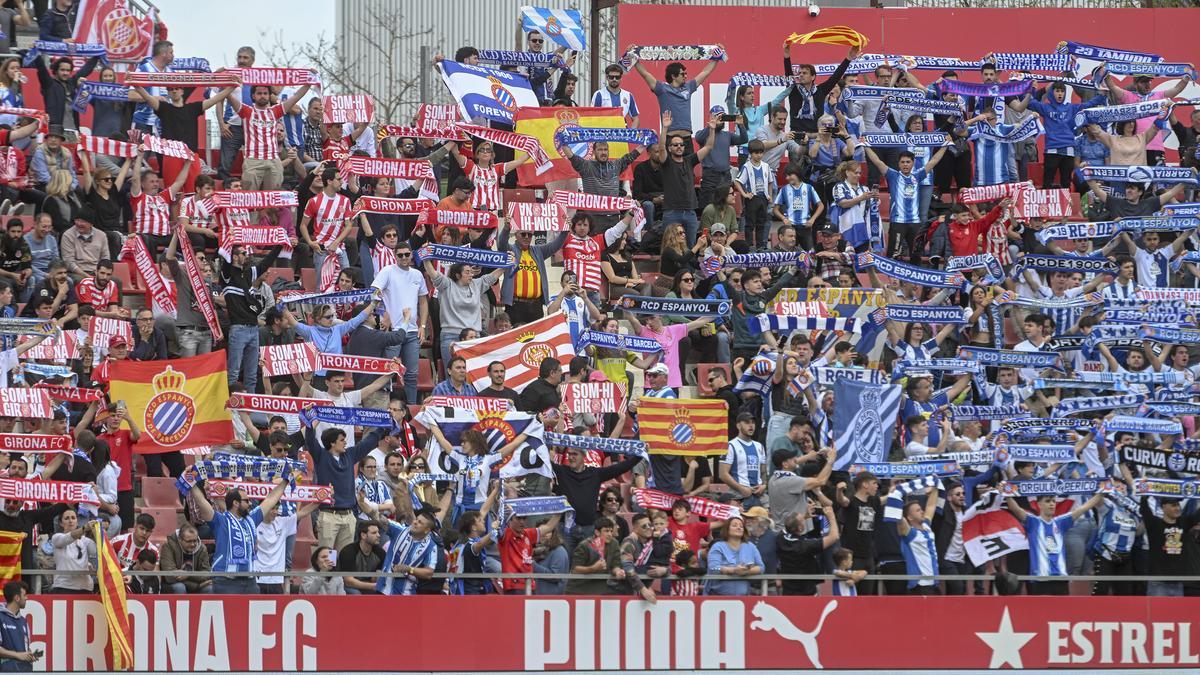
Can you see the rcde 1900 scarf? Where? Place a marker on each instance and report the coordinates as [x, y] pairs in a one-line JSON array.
[[1063, 263]]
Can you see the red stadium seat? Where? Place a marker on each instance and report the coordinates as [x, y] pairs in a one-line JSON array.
[[425, 381], [166, 522], [124, 278], [702, 371], [160, 493]]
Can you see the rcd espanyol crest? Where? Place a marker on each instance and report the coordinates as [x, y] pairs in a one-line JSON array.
[[569, 119], [169, 415], [502, 95]]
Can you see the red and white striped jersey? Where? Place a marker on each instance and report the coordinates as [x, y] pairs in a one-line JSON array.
[[227, 218], [127, 550], [487, 185], [327, 216], [336, 150], [261, 141], [199, 212], [90, 294], [152, 213], [582, 256]]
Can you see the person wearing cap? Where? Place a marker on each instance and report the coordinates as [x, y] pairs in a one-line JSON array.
[[49, 157], [761, 532], [1142, 91], [715, 168], [786, 489], [656, 382], [743, 466]]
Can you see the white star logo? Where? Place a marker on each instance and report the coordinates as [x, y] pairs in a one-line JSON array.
[[1006, 643]]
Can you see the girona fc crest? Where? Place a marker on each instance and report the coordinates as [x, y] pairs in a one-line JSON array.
[[170, 414], [121, 33], [502, 95]]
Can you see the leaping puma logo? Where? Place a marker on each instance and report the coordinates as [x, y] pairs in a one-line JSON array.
[[768, 618]]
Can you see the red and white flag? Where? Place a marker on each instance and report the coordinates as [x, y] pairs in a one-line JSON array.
[[343, 108], [521, 350], [109, 22], [436, 115], [533, 217], [592, 397], [25, 403], [990, 531], [102, 329]]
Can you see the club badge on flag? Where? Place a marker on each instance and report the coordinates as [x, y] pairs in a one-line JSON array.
[[545, 124], [357, 108], [521, 350], [563, 26], [863, 421], [109, 22], [485, 92], [179, 403], [684, 426]]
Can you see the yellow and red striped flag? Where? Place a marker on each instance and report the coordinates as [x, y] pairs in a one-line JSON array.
[[833, 35], [116, 610], [684, 426], [10, 556]]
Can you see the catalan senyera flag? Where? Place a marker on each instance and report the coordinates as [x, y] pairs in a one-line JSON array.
[[684, 426], [178, 403], [544, 123], [833, 35], [10, 556], [112, 596]]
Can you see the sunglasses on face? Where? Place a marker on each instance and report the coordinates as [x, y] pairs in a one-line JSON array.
[[686, 280], [405, 254], [677, 145], [536, 41]]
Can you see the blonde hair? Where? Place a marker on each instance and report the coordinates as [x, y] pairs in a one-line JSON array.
[[827, 120], [842, 169], [60, 183], [673, 238]]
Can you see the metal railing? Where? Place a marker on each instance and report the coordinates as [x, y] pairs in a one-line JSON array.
[[763, 580]]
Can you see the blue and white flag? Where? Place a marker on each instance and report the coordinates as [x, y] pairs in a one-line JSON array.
[[863, 421], [563, 26], [487, 93], [535, 506], [762, 323], [1144, 425], [498, 429], [893, 509]]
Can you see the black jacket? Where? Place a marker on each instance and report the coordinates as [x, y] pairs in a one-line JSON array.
[[56, 93], [582, 488], [242, 300], [539, 395]]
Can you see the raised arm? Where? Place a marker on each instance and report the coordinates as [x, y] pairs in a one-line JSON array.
[[641, 70], [220, 96], [290, 104], [150, 99]]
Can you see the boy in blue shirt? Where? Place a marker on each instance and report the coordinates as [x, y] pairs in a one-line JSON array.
[[756, 182], [799, 205], [904, 187]]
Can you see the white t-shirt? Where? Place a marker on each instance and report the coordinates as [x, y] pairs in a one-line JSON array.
[[8, 361], [270, 553], [402, 290]]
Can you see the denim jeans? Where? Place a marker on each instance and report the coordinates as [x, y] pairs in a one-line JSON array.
[[925, 197], [650, 210], [448, 337], [319, 260], [409, 354], [243, 353], [691, 224], [1163, 589], [234, 586], [193, 341]]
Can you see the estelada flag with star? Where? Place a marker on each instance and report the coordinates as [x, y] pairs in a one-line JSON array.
[[833, 35], [684, 426], [177, 404]]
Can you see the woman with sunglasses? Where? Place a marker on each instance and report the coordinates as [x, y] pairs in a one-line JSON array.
[[485, 174], [425, 491], [378, 233], [73, 548], [709, 338]]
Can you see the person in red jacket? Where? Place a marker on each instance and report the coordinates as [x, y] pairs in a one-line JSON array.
[[965, 233]]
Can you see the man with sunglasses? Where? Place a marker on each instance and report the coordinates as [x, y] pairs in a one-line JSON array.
[[675, 96], [539, 76], [405, 296], [526, 288], [613, 96], [679, 191]]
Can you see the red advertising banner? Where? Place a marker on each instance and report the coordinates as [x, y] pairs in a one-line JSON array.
[[1049, 204], [342, 108], [311, 633], [531, 217]]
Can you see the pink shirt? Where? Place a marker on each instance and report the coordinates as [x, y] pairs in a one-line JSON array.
[[669, 339], [1143, 123]]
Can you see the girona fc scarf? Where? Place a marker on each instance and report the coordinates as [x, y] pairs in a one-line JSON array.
[[181, 79], [199, 286], [254, 200], [152, 280], [582, 201], [417, 171], [649, 498], [72, 394], [510, 139]]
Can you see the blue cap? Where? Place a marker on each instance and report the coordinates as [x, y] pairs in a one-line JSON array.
[[717, 110]]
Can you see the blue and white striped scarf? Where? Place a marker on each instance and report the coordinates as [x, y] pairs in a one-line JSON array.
[[1016, 88], [239, 467], [1161, 69], [1041, 454], [1087, 300], [1029, 129], [1138, 174], [907, 140], [1173, 408], [1056, 62], [615, 446], [1170, 334], [629, 343], [743, 79], [672, 53], [827, 377], [573, 135], [984, 261], [1172, 223], [762, 323], [467, 255], [104, 91], [362, 417], [1072, 406], [910, 273], [1109, 334], [862, 92], [1077, 82], [893, 510], [1131, 377], [927, 106], [1181, 209], [54, 48], [1106, 54], [1120, 113], [925, 314], [1046, 423], [1144, 425], [963, 413], [1151, 315], [710, 265], [535, 506], [896, 469], [505, 57], [1010, 358], [1076, 383]]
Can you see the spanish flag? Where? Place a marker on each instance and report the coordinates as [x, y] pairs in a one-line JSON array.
[[684, 426], [178, 404], [112, 596], [543, 123], [10, 556]]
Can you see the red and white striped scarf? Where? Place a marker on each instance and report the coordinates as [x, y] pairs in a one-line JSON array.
[[107, 146], [382, 256], [510, 139], [329, 273]]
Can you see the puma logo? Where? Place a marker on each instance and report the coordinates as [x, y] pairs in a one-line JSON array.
[[768, 618]]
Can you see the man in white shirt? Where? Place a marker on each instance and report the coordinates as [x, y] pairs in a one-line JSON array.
[[406, 299], [918, 433]]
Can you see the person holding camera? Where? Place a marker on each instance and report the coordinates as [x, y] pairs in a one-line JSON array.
[[715, 168]]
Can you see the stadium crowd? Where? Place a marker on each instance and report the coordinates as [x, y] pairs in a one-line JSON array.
[[779, 208]]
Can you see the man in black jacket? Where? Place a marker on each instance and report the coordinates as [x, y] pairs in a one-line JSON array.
[[807, 102], [581, 486], [240, 284], [542, 393], [58, 85]]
